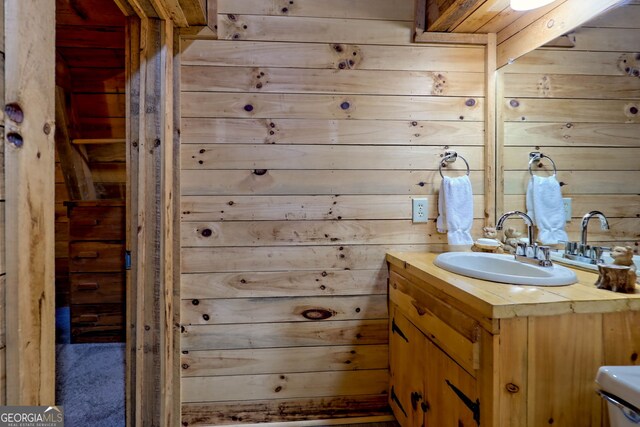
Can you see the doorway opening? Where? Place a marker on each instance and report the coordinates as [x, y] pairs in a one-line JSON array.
[[90, 211]]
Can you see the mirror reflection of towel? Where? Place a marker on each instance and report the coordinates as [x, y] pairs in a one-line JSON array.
[[455, 210], [546, 209]]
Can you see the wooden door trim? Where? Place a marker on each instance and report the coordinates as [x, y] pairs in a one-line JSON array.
[[153, 351]]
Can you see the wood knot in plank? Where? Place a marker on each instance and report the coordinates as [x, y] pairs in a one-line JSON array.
[[419, 309], [629, 63], [14, 112], [15, 139], [544, 86], [512, 388], [318, 314]]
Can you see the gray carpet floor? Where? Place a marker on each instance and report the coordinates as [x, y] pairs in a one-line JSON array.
[[89, 379]]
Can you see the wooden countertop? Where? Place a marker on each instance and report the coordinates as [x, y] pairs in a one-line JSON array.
[[500, 301]]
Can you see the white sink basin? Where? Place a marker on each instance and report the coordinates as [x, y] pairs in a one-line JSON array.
[[504, 269]]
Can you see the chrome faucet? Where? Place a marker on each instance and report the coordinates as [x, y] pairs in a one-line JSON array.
[[582, 252], [528, 252], [524, 216], [604, 224]]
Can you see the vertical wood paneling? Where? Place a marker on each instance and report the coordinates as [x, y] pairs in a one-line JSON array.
[[29, 177], [582, 109], [327, 115], [3, 341], [156, 349]]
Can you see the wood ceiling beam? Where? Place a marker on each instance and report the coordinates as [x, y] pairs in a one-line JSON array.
[[124, 7], [196, 10], [445, 16], [562, 19], [183, 13]]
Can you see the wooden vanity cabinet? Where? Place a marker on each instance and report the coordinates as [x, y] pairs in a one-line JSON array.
[[427, 387], [466, 352]]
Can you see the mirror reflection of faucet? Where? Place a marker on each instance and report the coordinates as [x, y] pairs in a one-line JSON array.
[[582, 252]]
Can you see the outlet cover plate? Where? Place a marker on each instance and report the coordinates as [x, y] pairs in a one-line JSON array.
[[566, 201], [419, 209]]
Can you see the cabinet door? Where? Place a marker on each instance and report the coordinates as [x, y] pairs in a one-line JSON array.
[[451, 395], [406, 363]]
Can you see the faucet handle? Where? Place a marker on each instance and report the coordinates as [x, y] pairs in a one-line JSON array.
[[583, 250], [544, 253], [570, 247], [521, 248], [596, 253]]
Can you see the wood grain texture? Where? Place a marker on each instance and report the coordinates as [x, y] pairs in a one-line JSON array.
[[300, 385], [313, 157], [297, 309], [278, 80], [284, 284], [621, 338], [278, 208], [270, 258], [331, 55], [575, 158], [133, 81], [319, 233], [304, 137], [571, 86], [567, 62], [552, 368], [29, 220], [323, 182], [319, 132], [267, 335], [274, 360], [571, 134], [565, 17], [575, 110], [581, 182], [393, 10], [313, 29], [285, 410], [302, 106]]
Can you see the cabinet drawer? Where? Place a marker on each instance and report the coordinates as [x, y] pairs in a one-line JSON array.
[[106, 333], [96, 257], [458, 335], [97, 314], [97, 288], [97, 223]]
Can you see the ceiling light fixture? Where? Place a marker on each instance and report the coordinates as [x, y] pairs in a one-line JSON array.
[[528, 4]]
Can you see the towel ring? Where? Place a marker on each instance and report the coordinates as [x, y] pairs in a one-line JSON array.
[[450, 157], [536, 156]]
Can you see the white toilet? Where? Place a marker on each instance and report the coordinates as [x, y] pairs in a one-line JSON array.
[[620, 387]]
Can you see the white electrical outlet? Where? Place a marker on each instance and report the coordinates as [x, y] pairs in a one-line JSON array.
[[566, 201], [419, 211]]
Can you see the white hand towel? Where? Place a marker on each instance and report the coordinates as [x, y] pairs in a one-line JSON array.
[[545, 207], [455, 209]]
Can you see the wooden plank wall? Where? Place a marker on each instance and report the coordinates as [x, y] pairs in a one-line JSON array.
[[3, 271], [306, 130], [581, 108]]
